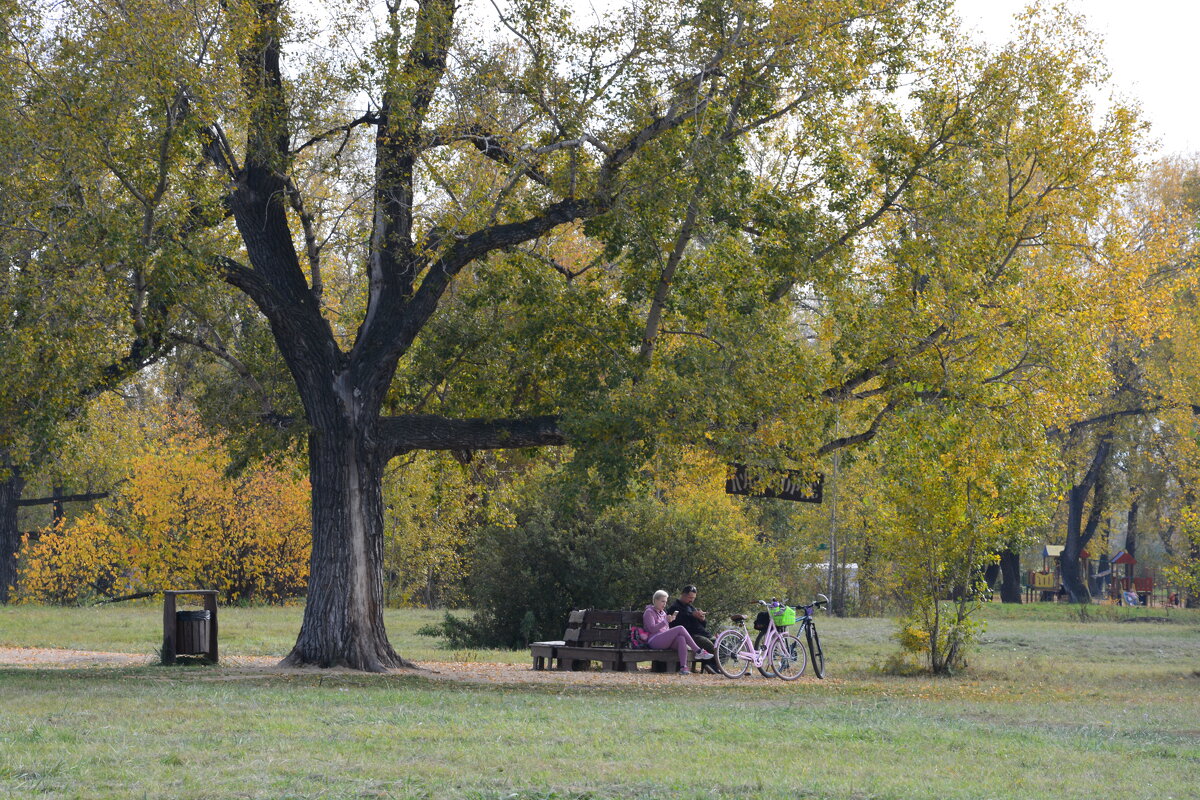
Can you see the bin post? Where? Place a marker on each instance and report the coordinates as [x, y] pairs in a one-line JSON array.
[[210, 605], [171, 623], [168, 646]]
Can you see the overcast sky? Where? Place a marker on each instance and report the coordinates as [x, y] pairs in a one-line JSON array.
[[1151, 46]]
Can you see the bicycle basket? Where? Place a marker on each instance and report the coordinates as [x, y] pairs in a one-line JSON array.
[[783, 615]]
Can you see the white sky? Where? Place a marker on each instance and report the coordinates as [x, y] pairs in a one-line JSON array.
[[1151, 47]]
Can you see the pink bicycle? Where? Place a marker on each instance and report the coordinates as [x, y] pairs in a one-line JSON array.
[[778, 653]]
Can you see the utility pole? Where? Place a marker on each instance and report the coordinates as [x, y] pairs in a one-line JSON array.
[[834, 599]]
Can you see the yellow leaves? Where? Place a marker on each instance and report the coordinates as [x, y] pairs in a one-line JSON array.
[[180, 522]]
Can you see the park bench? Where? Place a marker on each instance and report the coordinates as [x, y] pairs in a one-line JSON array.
[[603, 636]]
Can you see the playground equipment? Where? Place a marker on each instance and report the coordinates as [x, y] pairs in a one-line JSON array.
[[1046, 584], [1124, 581]]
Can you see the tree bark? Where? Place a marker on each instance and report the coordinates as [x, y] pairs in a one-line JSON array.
[[343, 616], [1131, 529], [1069, 560], [1078, 534], [1010, 581], [10, 535]]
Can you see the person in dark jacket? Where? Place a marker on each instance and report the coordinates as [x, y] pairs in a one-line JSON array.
[[692, 620]]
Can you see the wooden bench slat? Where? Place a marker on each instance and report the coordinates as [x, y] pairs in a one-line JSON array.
[[616, 636]]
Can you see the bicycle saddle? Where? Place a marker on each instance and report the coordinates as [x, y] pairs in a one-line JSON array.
[[738, 618]]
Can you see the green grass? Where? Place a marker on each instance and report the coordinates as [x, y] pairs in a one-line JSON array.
[[136, 627], [1052, 707]]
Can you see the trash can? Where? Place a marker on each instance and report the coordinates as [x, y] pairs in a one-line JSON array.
[[189, 633]]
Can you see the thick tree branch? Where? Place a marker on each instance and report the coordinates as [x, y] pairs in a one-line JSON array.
[[63, 498], [860, 437], [1099, 495], [429, 432], [1099, 457], [392, 344], [667, 276], [276, 282], [404, 107]]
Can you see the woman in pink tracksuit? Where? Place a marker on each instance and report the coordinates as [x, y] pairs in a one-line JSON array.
[[657, 623]]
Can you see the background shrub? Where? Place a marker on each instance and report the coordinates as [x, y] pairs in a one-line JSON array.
[[562, 550]]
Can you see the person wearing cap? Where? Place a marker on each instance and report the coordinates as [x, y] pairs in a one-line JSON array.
[[691, 619]]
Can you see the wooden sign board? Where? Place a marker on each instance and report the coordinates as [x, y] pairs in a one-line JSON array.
[[786, 484]]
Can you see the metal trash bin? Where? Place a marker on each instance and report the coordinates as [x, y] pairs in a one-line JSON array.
[[189, 633]]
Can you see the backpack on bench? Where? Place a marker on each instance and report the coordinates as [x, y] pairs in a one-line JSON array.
[[639, 639]]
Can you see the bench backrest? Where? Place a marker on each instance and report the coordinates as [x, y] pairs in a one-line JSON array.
[[598, 628]]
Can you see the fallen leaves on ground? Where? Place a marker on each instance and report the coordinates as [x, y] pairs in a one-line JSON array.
[[464, 671]]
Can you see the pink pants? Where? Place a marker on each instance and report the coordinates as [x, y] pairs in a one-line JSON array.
[[678, 638]]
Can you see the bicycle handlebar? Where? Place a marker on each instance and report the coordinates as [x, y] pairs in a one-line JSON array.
[[823, 601]]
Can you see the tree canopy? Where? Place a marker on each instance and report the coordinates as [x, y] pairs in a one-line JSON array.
[[772, 229]]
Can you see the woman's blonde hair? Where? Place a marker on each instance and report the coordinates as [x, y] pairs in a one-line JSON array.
[[661, 593]]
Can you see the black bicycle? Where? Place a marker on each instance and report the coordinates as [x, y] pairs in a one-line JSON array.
[[808, 624]]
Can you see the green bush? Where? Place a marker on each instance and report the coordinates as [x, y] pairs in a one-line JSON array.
[[562, 551]]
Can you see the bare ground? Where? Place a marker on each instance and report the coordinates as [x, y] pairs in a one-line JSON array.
[[468, 671]]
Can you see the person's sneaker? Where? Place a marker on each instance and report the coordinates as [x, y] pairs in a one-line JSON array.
[[684, 671], [704, 655]]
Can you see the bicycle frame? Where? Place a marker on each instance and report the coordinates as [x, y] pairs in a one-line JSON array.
[[758, 657], [809, 626]]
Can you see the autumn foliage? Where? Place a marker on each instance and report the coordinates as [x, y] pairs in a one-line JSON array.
[[180, 521]]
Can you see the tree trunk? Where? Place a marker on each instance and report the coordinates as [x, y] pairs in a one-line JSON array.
[[10, 535], [1131, 529], [1069, 560], [991, 574], [343, 616], [1079, 534], [1010, 572]]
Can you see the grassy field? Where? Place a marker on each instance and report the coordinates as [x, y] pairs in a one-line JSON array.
[[262, 631], [1052, 706]]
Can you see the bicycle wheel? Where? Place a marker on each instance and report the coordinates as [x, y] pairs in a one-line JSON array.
[[728, 656], [787, 657], [765, 669], [814, 647]]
